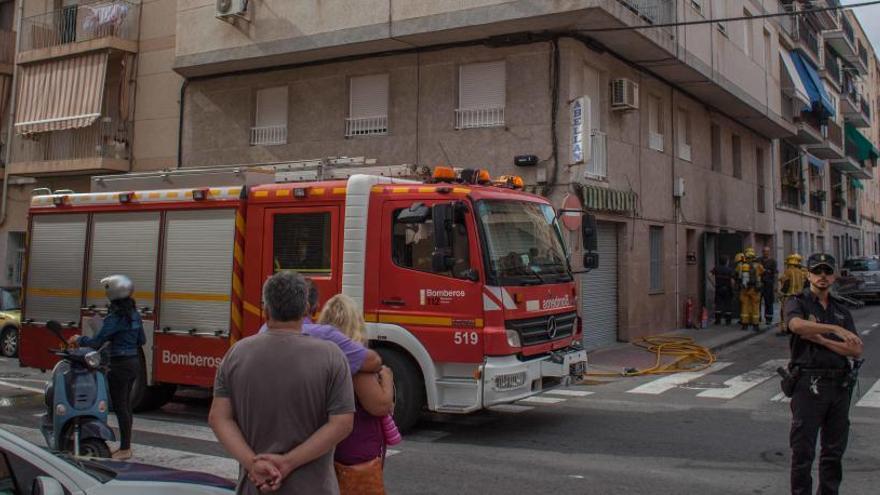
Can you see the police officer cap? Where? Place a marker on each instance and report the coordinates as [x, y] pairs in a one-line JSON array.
[[820, 259]]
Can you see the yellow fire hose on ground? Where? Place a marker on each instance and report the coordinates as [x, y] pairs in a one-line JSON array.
[[686, 354]]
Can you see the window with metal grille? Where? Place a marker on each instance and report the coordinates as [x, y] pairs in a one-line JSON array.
[[270, 117], [302, 242], [481, 95], [368, 106], [656, 246], [412, 246]]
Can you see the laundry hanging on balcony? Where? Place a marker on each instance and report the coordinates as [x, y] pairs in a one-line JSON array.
[[798, 89], [821, 102], [865, 149], [61, 94]]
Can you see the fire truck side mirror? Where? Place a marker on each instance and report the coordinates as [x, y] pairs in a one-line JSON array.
[[589, 232]]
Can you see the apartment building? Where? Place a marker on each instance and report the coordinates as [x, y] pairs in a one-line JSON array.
[[825, 167], [96, 95], [674, 135]]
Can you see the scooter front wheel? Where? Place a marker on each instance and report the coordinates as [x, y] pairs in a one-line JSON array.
[[94, 447]]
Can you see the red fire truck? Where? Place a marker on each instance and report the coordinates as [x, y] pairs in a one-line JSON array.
[[464, 281]]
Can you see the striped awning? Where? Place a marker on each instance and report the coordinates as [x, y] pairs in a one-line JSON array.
[[61, 94]]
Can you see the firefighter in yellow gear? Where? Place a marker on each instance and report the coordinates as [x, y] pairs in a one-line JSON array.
[[748, 279], [792, 283]]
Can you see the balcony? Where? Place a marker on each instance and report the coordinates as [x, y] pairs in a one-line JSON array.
[[854, 107], [7, 52], [809, 130], [366, 126], [269, 135], [827, 19], [843, 41], [104, 146], [472, 118], [830, 68], [88, 26], [831, 146]]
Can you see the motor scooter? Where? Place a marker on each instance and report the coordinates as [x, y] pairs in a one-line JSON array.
[[77, 402]]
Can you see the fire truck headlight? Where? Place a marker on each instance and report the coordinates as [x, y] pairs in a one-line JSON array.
[[513, 338]]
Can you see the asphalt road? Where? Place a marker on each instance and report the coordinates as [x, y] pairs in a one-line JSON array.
[[721, 432]]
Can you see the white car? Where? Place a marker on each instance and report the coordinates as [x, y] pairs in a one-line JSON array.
[[26, 468]]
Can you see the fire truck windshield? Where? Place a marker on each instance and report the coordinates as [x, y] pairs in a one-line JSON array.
[[523, 243]]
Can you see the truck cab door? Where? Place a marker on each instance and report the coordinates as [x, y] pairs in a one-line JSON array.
[[304, 239], [440, 305]]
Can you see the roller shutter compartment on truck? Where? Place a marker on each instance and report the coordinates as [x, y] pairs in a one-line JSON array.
[[55, 268]]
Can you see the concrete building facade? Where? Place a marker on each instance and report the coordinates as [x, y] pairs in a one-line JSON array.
[[675, 131]]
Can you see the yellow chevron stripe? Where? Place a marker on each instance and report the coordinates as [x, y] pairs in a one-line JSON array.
[[236, 285], [239, 223], [237, 254], [250, 308], [236, 317]]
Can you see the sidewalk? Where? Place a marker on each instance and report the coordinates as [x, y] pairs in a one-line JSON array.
[[624, 355]]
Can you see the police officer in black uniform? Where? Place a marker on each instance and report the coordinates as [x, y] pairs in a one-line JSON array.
[[823, 343]]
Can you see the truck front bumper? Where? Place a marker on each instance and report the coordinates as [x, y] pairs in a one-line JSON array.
[[510, 378]]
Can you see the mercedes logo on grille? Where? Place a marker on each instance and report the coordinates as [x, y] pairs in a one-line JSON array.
[[551, 327]]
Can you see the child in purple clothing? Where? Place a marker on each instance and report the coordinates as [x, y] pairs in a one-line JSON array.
[[374, 394]]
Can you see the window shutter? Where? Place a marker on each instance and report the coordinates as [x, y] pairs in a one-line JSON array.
[[369, 96], [482, 85], [271, 107]]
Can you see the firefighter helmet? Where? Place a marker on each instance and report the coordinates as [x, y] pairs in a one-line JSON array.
[[750, 253], [117, 287], [794, 259], [739, 258]]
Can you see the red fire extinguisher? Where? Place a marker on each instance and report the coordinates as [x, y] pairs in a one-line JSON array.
[[689, 313]]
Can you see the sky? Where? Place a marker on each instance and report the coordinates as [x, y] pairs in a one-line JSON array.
[[869, 17]]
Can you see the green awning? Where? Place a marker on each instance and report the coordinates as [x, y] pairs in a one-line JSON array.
[[865, 149], [856, 183]]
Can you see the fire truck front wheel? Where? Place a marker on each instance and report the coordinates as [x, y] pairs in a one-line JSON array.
[[409, 388]]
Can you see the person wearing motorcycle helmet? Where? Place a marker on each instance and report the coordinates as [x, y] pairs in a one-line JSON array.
[[124, 330]]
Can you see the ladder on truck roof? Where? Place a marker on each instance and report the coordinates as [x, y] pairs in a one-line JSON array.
[[257, 174]]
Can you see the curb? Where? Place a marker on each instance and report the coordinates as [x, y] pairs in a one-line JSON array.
[[748, 335]]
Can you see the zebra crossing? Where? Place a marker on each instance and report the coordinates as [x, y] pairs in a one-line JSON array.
[[720, 388]]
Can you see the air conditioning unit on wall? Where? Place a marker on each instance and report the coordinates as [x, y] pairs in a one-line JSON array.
[[231, 8], [624, 94]]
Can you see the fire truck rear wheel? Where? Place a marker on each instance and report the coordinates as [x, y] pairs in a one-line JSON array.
[[148, 398], [409, 388]]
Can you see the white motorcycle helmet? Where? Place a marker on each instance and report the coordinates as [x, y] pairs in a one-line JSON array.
[[117, 287]]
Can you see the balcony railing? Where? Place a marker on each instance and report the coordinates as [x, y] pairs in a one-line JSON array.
[[367, 126], [598, 165], [7, 47], [269, 135], [808, 36], [863, 54], [834, 133], [105, 138], [817, 204], [832, 66], [848, 30], [83, 22], [472, 118], [866, 108], [654, 11]]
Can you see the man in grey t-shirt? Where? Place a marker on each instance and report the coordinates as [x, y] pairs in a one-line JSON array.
[[282, 400]]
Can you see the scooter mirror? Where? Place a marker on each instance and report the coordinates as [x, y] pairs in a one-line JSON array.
[[55, 328]]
